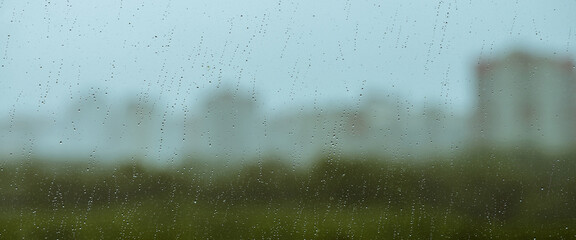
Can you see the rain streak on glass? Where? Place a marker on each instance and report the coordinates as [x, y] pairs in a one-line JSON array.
[[287, 120]]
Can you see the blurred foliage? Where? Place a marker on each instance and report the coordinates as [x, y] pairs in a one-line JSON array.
[[482, 194]]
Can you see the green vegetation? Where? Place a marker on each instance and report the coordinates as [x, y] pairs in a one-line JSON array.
[[478, 196]]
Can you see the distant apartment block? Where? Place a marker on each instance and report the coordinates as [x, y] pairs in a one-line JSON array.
[[527, 101]]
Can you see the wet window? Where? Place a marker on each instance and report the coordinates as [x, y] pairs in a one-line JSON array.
[[287, 120]]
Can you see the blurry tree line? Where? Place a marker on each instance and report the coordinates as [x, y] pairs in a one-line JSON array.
[[481, 185]]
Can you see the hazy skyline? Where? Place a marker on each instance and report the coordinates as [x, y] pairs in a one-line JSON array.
[[286, 52]]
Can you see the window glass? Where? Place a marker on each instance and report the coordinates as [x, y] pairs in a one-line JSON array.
[[287, 119]]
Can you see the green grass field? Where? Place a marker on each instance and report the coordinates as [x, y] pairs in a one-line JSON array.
[[480, 196]]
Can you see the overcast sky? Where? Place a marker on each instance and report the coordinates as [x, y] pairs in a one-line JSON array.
[[286, 52]]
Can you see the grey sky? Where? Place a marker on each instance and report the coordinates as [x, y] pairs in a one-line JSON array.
[[287, 52]]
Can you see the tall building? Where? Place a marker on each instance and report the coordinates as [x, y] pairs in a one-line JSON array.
[[232, 126], [527, 101]]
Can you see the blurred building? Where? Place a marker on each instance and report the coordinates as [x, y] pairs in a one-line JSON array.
[[230, 127], [379, 126], [527, 101]]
